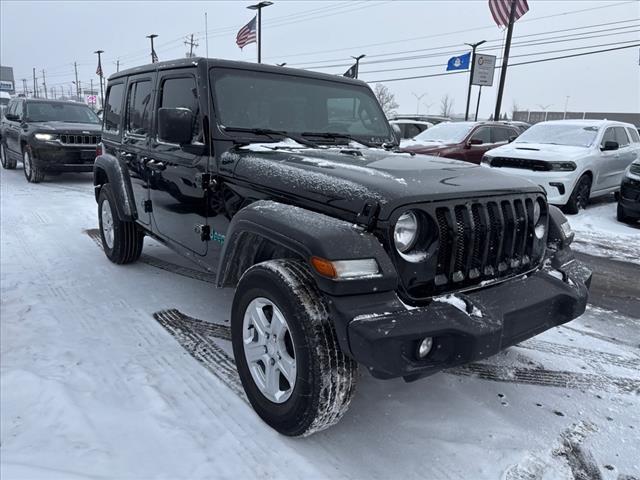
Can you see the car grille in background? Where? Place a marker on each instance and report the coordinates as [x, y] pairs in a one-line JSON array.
[[70, 139], [630, 189], [527, 164], [485, 240], [635, 168]]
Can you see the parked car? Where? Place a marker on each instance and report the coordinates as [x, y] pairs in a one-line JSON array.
[[342, 250], [49, 136], [5, 98], [435, 119], [629, 197], [411, 128], [574, 160], [521, 126], [466, 141]]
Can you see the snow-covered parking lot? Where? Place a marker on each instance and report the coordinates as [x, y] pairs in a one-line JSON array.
[[125, 372]]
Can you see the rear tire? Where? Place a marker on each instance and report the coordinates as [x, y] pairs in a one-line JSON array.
[[7, 163], [316, 392], [121, 240], [32, 172], [579, 198]]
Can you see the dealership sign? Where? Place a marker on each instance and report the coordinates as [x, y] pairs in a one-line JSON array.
[[483, 70], [6, 86]]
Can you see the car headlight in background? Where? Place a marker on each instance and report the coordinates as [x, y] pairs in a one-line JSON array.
[[405, 232], [45, 137], [539, 221], [562, 166]]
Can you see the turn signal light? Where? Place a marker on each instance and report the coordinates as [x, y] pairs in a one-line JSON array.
[[346, 269], [324, 267], [98, 149]]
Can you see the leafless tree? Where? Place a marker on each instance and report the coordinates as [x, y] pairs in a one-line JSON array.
[[386, 99], [446, 105]]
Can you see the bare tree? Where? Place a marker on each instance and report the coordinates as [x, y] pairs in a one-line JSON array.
[[386, 99], [446, 105]]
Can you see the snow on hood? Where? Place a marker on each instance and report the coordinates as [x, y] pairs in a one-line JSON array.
[[347, 178], [539, 151], [413, 143]]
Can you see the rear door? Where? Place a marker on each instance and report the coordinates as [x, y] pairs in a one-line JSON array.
[[178, 200], [626, 152], [136, 138], [12, 128]]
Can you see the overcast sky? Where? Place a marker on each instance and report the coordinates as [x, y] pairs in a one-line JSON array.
[[53, 34]]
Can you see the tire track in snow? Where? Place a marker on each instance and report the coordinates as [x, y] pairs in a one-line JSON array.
[[632, 363], [94, 234]]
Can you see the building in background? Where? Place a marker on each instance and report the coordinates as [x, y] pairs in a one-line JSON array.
[[7, 82], [541, 116]]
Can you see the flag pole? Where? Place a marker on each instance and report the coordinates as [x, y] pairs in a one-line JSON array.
[[505, 60], [259, 7], [473, 65], [99, 53]]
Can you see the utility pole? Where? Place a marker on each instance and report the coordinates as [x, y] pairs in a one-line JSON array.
[[191, 44], [473, 64], [566, 105], [44, 84], [75, 67], [101, 73], [53, 92], [35, 84], [154, 56], [259, 7], [505, 60], [357, 59], [117, 62], [24, 86], [418, 98]]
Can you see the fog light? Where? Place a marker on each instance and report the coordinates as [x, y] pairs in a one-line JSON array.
[[425, 347]]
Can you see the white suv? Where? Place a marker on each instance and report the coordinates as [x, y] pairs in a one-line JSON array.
[[573, 160]]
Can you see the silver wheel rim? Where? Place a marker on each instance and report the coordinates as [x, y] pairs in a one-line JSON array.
[[268, 349], [107, 223], [26, 159]]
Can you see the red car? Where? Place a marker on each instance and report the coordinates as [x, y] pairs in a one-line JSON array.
[[466, 141]]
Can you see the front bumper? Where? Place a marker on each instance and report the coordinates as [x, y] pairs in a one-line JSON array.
[[384, 334], [55, 157]]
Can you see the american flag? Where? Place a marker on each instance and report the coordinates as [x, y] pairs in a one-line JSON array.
[[500, 9], [247, 34], [99, 69]]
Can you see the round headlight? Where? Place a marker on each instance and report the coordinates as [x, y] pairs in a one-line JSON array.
[[536, 212], [539, 223], [405, 232]]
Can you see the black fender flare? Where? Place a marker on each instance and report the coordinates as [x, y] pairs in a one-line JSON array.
[[305, 233], [108, 169]]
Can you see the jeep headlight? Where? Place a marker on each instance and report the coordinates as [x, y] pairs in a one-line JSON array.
[[539, 223], [45, 137], [405, 232]]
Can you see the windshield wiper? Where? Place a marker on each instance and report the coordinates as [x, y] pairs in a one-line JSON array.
[[334, 136], [272, 134]]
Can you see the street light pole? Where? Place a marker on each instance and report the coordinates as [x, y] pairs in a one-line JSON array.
[[473, 64], [357, 59], [259, 7], [153, 52], [418, 98]]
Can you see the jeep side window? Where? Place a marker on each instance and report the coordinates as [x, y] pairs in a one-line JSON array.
[[182, 93], [113, 108], [633, 134], [502, 134], [621, 136], [609, 136], [138, 114]]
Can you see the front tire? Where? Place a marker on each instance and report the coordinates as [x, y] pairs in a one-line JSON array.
[[579, 198], [299, 382], [621, 215], [32, 172], [121, 240], [7, 163]]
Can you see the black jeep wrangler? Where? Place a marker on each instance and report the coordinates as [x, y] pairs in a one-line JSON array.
[[49, 136], [342, 250]]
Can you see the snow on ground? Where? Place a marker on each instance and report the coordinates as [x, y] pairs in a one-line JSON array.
[[93, 386], [599, 233]]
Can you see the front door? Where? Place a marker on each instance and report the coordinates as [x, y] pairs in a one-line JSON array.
[[608, 163], [474, 152], [178, 200]]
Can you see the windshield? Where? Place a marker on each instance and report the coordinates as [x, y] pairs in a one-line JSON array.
[[446, 133], [60, 112], [559, 134], [297, 105]]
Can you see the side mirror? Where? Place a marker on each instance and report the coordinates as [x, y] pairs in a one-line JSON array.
[[175, 125], [474, 141], [609, 146], [397, 133]]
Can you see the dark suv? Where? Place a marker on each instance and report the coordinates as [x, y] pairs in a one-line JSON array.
[[342, 250], [49, 136], [466, 141]]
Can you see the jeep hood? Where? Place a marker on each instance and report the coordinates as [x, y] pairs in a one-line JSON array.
[[91, 128], [539, 151], [348, 178]]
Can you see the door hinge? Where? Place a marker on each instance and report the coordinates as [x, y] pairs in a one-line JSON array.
[[204, 231], [206, 181], [147, 206], [368, 215]]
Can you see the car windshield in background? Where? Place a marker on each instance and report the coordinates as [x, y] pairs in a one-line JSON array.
[[558, 134], [445, 133], [297, 105], [60, 112]]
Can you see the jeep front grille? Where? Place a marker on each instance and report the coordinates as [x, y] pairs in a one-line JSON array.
[[70, 139], [484, 240]]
